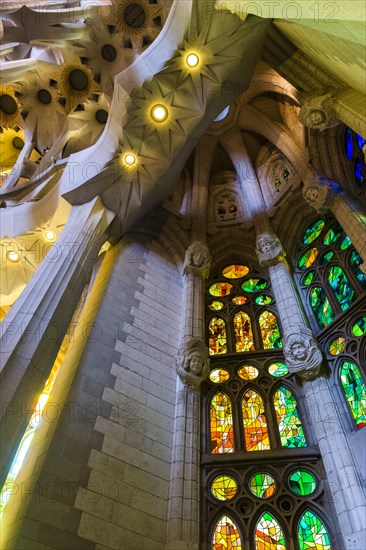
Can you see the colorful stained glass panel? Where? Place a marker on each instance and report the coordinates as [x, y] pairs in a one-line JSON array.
[[348, 143], [224, 487], [341, 287], [313, 231], [360, 141], [243, 332], [332, 235], [239, 300], [345, 243], [220, 289], [248, 372], [302, 482], [309, 278], [312, 533], [254, 285], [221, 420], [217, 336], [226, 535], [359, 328], [235, 271], [356, 261], [270, 332], [337, 345], [215, 305], [326, 258], [268, 534], [263, 300], [255, 423], [219, 375], [262, 485], [288, 419], [321, 306], [355, 391], [278, 369], [358, 172], [308, 258]]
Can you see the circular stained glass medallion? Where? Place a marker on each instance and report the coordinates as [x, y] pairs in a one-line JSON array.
[[278, 369], [308, 258], [337, 345], [263, 300], [219, 375], [248, 372], [359, 328], [216, 305], [262, 485], [235, 271], [254, 285], [239, 300], [313, 231], [220, 289], [302, 482], [224, 487]]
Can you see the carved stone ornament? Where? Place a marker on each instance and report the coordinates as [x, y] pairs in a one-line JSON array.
[[317, 111], [303, 356], [269, 249], [198, 259], [319, 192], [193, 364]]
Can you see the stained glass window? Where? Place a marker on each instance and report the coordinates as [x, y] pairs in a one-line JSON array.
[[359, 327], [254, 285], [262, 485], [235, 271], [220, 289], [309, 277], [308, 258], [355, 262], [341, 287], [321, 306], [302, 482], [255, 423], [270, 332], [358, 172], [326, 258], [219, 375], [263, 300], [333, 234], [239, 300], [243, 332], [348, 142], [248, 372], [345, 243], [337, 345], [221, 420], [226, 535], [360, 141], [313, 231], [217, 336], [355, 391], [268, 534], [224, 487], [312, 533], [216, 305], [278, 369], [288, 419]]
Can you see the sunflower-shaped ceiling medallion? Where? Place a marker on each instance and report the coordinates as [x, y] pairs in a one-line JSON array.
[[11, 143], [139, 21], [76, 83], [10, 108]]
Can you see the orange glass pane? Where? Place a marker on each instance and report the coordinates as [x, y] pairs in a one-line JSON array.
[[226, 535], [217, 342], [221, 423], [255, 423], [235, 271], [243, 332]]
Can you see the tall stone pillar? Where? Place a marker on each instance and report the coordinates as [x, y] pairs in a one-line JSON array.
[[33, 330], [304, 358], [192, 366]]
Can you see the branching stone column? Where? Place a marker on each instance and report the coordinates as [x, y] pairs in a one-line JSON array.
[[304, 358], [33, 330], [322, 194]]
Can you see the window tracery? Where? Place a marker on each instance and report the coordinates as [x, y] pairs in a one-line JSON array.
[[354, 152]]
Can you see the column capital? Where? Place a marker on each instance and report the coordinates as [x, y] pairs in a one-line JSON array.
[[317, 111], [197, 260], [302, 353], [193, 363], [319, 192], [269, 249]]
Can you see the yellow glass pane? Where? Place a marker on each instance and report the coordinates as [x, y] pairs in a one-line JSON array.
[[219, 375], [224, 487], [248, 372], [235, 271]]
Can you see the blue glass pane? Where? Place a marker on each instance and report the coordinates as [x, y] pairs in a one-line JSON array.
[[346, 242], [360, 141], [223, 114], [359, 172], [348, 143], [355, 262], [341, 287]]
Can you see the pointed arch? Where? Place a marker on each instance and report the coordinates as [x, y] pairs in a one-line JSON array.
[[221, 424], [354, 389], [255, 423], [217, 336], [243, 332], [226, 535], [288, 419], [269, 534], [312, 533], [270, 331]]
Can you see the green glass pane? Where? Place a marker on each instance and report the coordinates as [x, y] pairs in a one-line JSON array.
[[288, 420], [255, 423], [356, 261], [341, 287], [345, 243], [312, 533], [263, 300], [270, 332], [333, 234], [219, 375], [278, 369], [355, 391], [302, 482], [268, 534], [262, 485], [217, 343], [326, 258], [313, 231], [308, 258], [309, 278], [359, 328], [321, 306], [226, 535], [224, 487], [337, 345], [254, 285], [221, 423]]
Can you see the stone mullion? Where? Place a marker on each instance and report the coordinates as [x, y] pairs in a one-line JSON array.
[[29, 344]]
